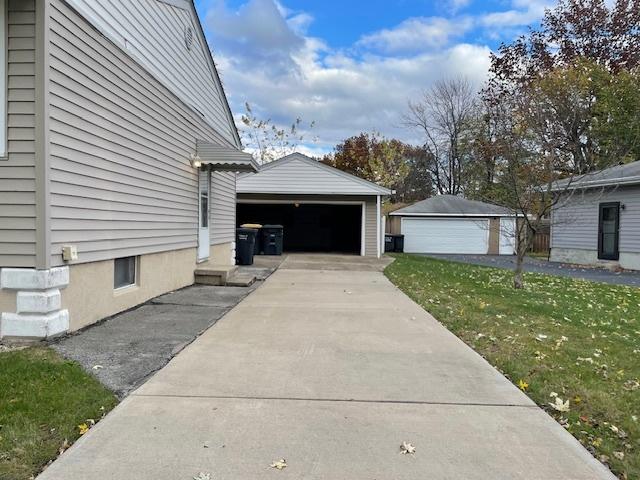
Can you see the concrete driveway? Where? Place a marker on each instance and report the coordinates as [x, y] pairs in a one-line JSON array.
[[329, 367]]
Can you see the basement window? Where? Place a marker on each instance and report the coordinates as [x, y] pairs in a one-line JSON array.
[[124, 272]]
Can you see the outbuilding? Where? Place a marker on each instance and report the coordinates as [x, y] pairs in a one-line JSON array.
[[321, 208], [452, 224]]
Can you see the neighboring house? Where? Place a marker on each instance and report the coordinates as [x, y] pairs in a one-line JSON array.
[[117, 163], [321, 208], [451, 224], [597, 218]]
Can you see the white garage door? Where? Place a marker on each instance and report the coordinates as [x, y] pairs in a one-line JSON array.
[[445, 235]]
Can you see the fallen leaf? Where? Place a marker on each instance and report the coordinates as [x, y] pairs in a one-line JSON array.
[[522, 385], [559, 405], [83, 428], [407, 448], [202, 476], [97, 367], [279, 464], [619, 455]]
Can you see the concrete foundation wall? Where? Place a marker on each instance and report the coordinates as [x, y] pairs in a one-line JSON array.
[[628, 260], [90, 295], [7, 301], [574, 255], [223, 254]]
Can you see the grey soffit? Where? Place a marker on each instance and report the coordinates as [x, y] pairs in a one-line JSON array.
[[627, 174], [453, 206], [225, 159]]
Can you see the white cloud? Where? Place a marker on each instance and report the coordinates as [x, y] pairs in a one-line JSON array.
[[266, 58], [416, 34], [523, 12]]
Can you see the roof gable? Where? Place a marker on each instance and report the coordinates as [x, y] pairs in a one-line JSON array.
[[165, 37], [451, 205], [299, 174]]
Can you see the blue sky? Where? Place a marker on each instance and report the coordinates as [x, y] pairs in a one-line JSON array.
[[352, 66]]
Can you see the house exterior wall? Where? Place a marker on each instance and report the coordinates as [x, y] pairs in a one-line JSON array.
[[155, 34], [98, 157], [17, 170], [121, 182], [223, 208], [90, 296], [371, 222], [574, 226]]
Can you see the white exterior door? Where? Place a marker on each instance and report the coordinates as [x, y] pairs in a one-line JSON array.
[[203, 215], [507, 236], [446, 235]]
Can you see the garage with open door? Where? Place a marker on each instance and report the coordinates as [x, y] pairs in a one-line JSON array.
[[322, 209], [310, 227]]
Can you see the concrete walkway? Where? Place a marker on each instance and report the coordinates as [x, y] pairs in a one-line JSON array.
[[331, 369]]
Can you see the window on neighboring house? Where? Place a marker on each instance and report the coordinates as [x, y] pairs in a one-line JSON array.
[[124, 272], [3, 79]]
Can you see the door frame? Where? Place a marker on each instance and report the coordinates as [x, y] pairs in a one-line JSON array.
[[616, 254], [321, 202], [203, 250]]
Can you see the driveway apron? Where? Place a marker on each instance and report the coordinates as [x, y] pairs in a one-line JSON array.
[[331, 368]]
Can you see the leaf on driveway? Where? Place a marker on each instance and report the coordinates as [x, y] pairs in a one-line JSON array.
[[279, 464], [202, 476], [407, 448], [97, 367]]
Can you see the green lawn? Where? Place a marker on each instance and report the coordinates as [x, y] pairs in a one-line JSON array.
[[43, 400], [577, 339]]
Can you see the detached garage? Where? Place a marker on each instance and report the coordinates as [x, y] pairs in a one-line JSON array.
[[451, 224], [321, 208]]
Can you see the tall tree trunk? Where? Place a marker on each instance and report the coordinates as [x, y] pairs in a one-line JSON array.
[[518, 278]]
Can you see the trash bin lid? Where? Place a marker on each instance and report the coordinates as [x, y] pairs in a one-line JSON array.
[[251, 225]]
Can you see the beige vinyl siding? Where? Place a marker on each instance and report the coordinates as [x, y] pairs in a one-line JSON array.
[[17, 171], [302, 175], [575, 224], [371, 227], [222, 226], [370, 223], [121, 182], [153, 32]]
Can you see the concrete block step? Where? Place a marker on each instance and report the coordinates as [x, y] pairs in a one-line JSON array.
[[207, 274], [241, 280]]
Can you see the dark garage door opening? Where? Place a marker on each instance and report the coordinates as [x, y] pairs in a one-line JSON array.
[[310, 227]]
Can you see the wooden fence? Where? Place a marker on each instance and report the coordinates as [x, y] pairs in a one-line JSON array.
[[541, 242]]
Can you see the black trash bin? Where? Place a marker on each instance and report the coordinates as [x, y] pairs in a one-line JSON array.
[[272, 239], [257, 250], [398, 243], [245, 243], [389, 243], [393, 243]]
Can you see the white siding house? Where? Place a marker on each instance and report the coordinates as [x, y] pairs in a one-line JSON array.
[[597, 218], [118, 108]]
